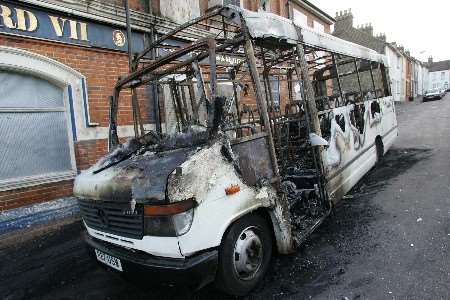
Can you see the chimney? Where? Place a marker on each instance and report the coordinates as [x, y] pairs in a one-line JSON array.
[[367, 28], [430, 60], [381, 37], [344, 20]]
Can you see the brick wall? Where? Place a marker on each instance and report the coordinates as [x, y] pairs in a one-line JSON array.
[[279, 7], [36, 194], [363, 35], [310, 16], [101, 68], [139, 5]]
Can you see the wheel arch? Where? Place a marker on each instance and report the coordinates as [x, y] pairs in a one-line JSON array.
[[281, 238]]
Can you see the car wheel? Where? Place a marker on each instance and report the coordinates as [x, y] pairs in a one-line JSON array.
[[244, 255]]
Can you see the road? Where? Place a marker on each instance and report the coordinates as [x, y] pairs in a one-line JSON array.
[[389, 239]]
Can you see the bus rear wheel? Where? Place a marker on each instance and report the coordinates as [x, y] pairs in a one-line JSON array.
[[244, 255], [380, 148]]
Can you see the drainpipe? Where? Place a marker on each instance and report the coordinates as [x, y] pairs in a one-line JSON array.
[[138, 126], [288, 6], [154, 88]]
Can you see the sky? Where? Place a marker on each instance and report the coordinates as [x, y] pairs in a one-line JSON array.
[[422, 27]]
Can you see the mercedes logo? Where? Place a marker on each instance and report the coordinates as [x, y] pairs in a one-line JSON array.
[[103, 217]]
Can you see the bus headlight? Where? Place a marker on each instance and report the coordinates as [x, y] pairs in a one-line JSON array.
[[172, 219]]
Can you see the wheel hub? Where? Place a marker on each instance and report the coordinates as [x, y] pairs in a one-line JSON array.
[[248, 254]]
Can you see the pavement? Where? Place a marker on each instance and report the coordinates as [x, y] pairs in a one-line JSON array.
[[388, 239], [38, 214]]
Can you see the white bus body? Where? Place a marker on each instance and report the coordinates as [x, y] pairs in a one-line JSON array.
[[229, 208]]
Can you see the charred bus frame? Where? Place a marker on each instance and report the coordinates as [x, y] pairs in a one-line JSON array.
[[278, 151]]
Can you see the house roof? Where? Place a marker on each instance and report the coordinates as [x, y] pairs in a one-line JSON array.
[[439, 66], [395, 49], [360, 37]]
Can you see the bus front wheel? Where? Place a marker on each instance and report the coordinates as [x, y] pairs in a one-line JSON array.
[[244, 255]]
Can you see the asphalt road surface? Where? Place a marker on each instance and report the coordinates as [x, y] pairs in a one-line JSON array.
[[389, 239]]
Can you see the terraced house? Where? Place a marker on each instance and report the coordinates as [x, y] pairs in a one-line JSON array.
[[408, 76], [439, 76]]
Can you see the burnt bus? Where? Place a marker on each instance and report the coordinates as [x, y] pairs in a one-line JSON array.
[[270, 125]]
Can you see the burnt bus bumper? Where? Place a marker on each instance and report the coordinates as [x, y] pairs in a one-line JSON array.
[[195, 272]]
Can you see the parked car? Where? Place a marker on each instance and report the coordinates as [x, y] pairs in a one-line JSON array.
[[434, 94]]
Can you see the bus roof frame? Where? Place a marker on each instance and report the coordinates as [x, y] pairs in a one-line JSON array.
[[264, 25]]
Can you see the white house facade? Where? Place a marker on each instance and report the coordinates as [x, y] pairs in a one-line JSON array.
[[439, 74], [396, 72]]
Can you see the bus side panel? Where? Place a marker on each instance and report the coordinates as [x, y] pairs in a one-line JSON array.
[[348, 176], [351, 154], [389, 124]]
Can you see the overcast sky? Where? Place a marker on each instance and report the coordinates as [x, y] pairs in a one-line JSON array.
[[419, 26]]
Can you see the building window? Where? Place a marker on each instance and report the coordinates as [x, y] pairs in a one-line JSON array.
[[318, 26], [442, 75], [398, 62], [265, 5], [275, 89], [239, 3], [300, 19], [34, 139]]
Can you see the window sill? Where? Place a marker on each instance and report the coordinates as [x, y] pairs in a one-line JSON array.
[[30, 181]]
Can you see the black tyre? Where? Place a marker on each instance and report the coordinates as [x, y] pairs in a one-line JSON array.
[[244, 255], [380, 148]]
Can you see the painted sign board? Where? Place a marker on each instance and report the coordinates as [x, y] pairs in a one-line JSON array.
[[54, 26], [36, 22]]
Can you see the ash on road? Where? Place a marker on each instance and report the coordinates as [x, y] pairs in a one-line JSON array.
[[389, 238]]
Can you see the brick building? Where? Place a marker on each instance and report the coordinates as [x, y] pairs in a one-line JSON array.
[[362, 35], [302, 12], [59, 61]]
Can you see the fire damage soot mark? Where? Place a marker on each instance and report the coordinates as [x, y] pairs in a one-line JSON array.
[[396, 162], [315, 266]]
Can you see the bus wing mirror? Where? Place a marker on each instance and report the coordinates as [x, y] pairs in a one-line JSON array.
[[316, 140]]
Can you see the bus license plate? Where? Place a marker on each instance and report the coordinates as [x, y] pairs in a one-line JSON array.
[[109, 260]]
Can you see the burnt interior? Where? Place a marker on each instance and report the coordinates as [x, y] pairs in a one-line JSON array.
[[212, 84]]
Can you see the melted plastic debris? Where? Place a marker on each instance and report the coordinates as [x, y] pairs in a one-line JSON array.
[[153, 142]]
